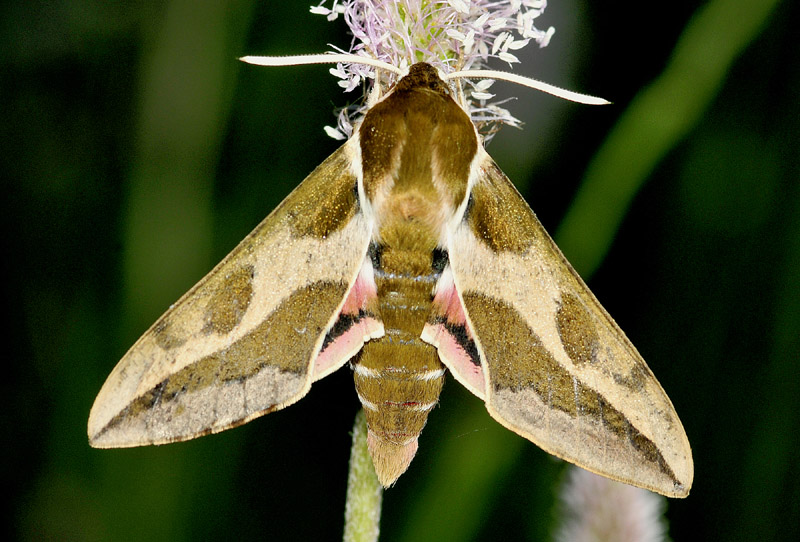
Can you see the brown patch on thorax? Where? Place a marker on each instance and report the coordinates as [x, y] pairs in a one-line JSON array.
[[417, 146]]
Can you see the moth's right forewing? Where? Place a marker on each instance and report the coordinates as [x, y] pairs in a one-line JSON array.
[[243, 341], [557, 369]]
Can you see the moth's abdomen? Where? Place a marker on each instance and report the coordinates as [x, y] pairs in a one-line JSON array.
[[399, 377]]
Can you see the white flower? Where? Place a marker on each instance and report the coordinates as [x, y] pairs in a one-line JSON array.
[[596, 509], [451, 35], [334, 133]]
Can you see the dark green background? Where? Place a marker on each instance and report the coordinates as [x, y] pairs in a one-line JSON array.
[[137, 151]]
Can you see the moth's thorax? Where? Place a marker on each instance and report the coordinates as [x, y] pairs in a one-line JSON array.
[[417, 146]]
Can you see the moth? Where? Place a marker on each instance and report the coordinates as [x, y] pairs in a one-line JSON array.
[[406, 253]]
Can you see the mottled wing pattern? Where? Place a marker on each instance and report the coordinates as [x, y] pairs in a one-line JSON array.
[[557, 369], [243, 341]]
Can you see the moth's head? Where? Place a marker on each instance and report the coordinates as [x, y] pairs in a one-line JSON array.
[[422, 75]]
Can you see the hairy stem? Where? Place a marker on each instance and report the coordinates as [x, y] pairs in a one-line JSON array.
[[362, 511]]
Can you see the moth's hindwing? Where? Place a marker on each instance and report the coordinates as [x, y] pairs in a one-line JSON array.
[[246, 340], [527, 335]]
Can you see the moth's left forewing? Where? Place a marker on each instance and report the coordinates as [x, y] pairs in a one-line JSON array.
[[557, 369], [283, 309]]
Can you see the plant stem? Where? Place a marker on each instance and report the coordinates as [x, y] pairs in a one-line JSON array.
[[362, 512]]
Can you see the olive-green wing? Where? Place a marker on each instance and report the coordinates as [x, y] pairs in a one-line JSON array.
[[548, 360], [246, 340]]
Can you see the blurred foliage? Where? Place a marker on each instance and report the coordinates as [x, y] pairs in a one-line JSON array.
[[136, 152]]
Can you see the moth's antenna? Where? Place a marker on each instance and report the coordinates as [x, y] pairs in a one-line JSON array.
[[324, 58], [528, 82]]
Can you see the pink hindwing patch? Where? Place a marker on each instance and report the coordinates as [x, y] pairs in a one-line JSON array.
[[448, 330], [355, 324]]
